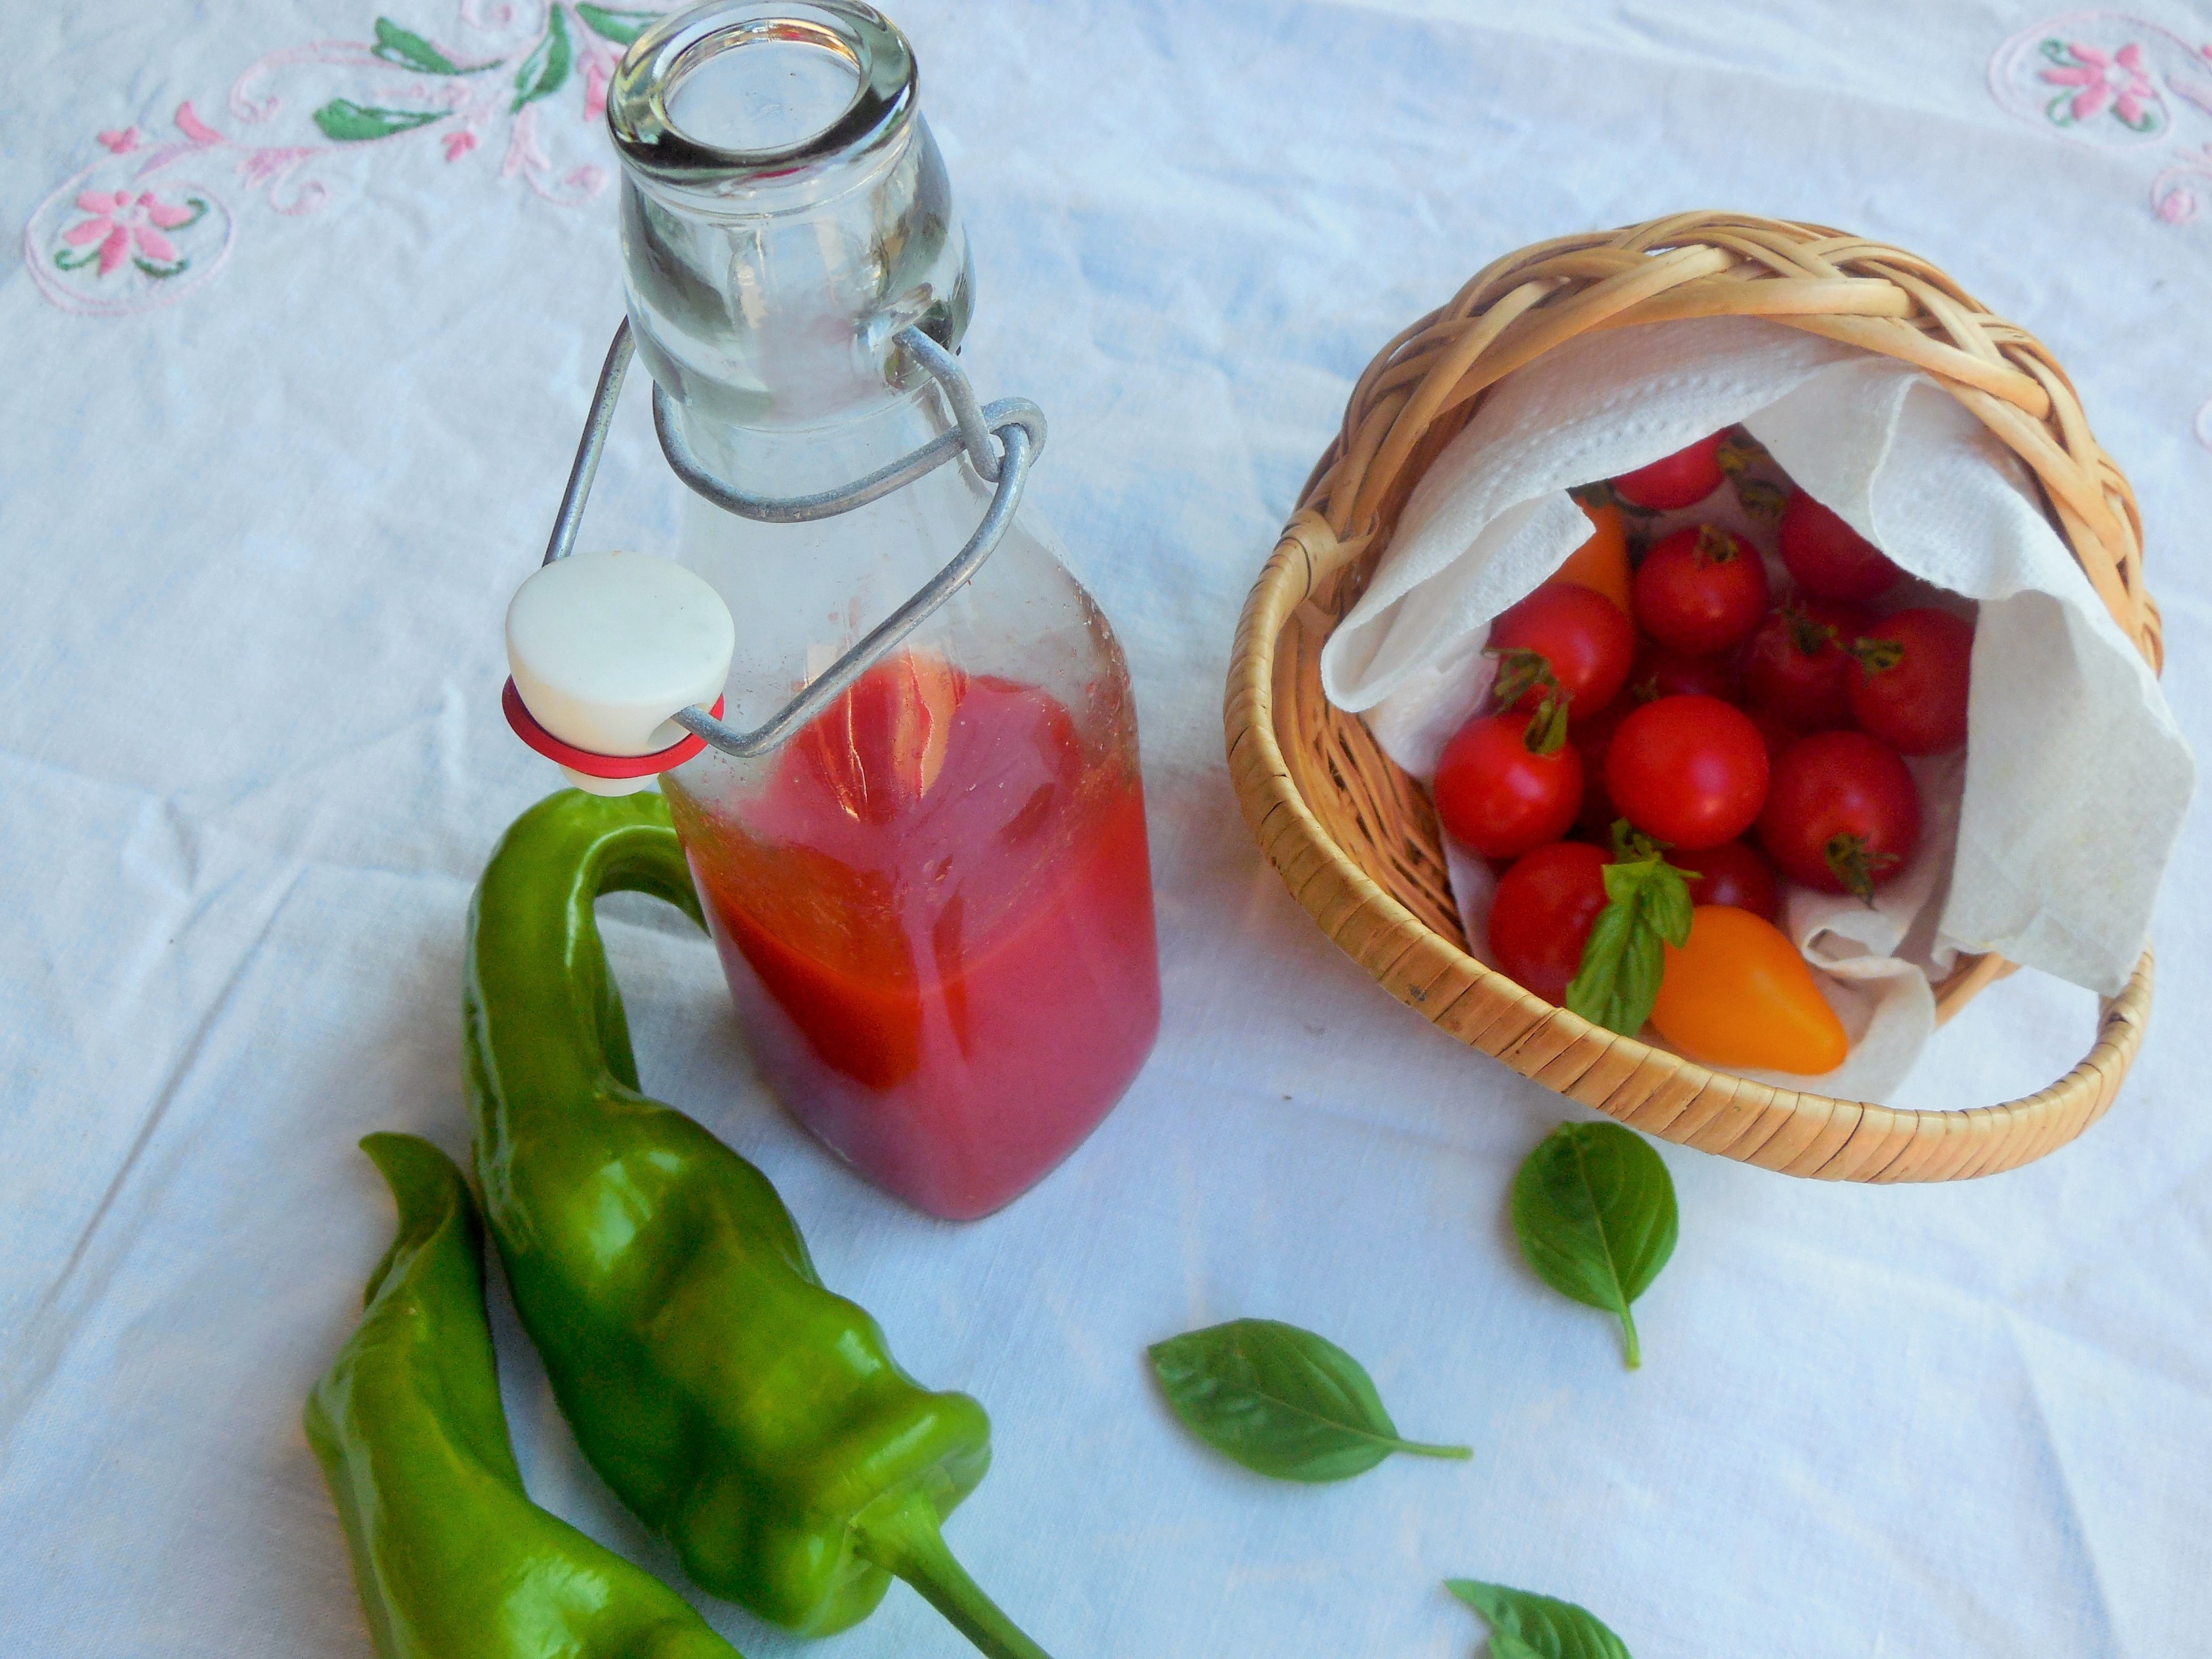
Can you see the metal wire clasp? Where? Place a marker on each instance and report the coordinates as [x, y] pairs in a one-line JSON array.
[[1017, 425]]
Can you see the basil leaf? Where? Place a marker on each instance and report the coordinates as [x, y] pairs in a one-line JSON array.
[[410, 50], [1281, 1401], [1596, 990], [350, 122], [1647, 900], [1667, 906], [546, 69], [618, 24], [1594, 1207], [1643, 966], [1526, 1626]]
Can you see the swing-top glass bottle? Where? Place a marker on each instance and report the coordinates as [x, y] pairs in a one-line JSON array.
[[934, 902]]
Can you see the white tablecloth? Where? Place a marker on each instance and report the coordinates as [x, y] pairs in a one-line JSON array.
[[259, 518]]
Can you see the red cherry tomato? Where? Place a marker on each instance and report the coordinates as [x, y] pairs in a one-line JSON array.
[[1795, 664], [1688, 771], [1658, 673], [1593, 737], [1777, 733], [1908, 680], [1542, 914], [1830, 559], [1700, 591], [1500, 797], [1842, 814], [1732, 873], [1682, 479], [1582, 636]]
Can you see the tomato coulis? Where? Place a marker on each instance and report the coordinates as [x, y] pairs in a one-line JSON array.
[[936, 918]]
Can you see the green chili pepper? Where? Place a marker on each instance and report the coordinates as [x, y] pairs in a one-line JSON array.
[[452, 1559], [748, 1415]]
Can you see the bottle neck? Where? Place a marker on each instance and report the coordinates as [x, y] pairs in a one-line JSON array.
[[784, 215], [775, 248], [801, 461]]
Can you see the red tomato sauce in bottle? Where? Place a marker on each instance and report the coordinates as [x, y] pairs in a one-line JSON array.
[[936, 917]]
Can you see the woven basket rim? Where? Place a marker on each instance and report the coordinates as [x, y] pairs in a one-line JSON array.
[[1396, 420]]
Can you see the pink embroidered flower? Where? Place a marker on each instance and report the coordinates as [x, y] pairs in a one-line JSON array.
[[121, 219], [2116, 81], [2179, 206], [460, 142], [122, 142]]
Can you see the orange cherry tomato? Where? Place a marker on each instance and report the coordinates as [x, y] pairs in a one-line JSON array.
[[1600, 563], [1738, 994]]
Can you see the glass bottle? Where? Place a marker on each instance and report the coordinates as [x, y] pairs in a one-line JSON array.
[[933, 902]]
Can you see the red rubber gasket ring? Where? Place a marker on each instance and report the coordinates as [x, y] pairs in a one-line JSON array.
[[587, 760]]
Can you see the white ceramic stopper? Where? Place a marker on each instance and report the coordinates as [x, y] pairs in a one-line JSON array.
[[606, 646]]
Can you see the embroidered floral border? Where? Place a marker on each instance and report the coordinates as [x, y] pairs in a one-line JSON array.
[[2118, 81], [146, 222]]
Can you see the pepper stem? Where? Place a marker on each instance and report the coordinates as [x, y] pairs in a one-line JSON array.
[[903, 1538]]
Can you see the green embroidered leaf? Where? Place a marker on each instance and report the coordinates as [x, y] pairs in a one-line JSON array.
[[1594, 1207], [352, 124], [160, 272], [2057, 52], [546, 69], [62, 257], [410, 50], [619, 25], [1526, 1626], [1280, 1400]]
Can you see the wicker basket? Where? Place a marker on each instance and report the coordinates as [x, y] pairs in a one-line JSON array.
[[1355, 839]]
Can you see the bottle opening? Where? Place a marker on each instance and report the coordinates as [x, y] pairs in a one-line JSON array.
[[734, 90], [772, 83]]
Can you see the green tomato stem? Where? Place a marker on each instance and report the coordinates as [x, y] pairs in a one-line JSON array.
[[905, 1540]]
